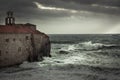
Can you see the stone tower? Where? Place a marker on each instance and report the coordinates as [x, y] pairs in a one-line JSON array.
[[9, 20]]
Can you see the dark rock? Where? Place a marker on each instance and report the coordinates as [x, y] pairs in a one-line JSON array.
[[63, 52]]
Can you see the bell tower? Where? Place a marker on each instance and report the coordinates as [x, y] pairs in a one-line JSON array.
[[9, 20]]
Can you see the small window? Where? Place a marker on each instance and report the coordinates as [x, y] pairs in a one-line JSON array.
[[14, 39], [0, 52], [6, 52], [7, 40], [27, 38], [20, 40]]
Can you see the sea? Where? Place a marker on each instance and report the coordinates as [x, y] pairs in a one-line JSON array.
[[74, 57]]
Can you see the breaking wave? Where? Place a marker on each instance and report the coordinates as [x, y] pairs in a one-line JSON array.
[[88, 46]]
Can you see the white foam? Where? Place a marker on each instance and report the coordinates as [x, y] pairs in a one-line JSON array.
[[73, 60], [83, 46], [90, 45], [71, 47]]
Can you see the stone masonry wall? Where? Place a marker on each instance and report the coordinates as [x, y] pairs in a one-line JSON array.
[[17, 48], [42, 45], [14, 48]]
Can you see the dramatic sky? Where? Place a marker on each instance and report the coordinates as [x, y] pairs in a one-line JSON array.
[[66, 16]]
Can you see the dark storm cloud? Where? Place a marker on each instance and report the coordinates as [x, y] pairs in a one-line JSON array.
[[61, 14], [15, 4], [28, 8], [99, 6], [18, 6], [102, 2]]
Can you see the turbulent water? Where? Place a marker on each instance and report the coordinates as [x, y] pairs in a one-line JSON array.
[[75, 57], [99, 50]]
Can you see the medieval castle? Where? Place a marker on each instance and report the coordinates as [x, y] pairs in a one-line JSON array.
[[21, 42]]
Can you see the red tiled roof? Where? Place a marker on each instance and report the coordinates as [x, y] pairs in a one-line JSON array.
[[17, 29]]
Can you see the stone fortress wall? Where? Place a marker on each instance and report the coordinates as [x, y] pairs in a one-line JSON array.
[[16, 48], [12, 46]]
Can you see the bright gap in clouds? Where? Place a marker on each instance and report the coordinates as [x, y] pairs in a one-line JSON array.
[[114, 30], [103, 6], [80, 25], [40, 6], [90, 23]]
